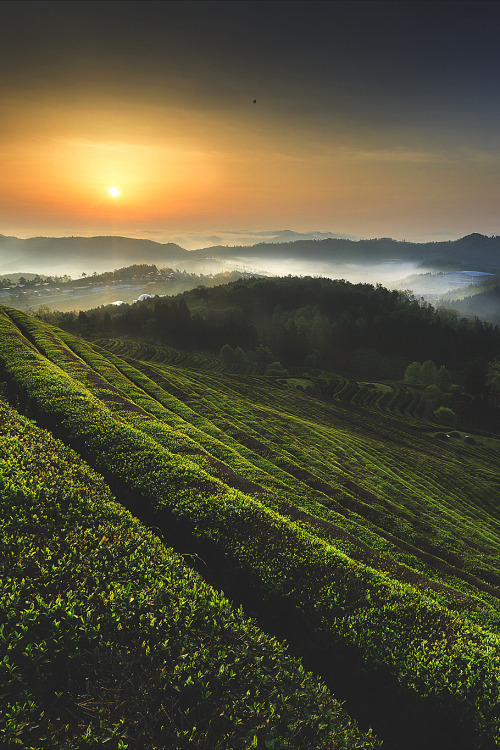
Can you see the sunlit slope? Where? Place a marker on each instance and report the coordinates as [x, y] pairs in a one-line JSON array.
[[106, 636], [397, 398], [382, 475], [381, 538], [158, 354]]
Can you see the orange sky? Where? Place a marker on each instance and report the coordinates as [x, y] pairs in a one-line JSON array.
[[187, 159]]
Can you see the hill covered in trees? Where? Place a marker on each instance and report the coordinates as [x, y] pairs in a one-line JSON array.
[[314, 323], [471, 251], [482, 301], [71, 255], [345, 525]]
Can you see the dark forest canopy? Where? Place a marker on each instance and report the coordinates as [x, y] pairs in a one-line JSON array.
[[332, 324]]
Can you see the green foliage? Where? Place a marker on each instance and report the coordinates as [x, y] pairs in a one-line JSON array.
[[277, 370], [239, 355], [294, 317], [310, 361], [375, 536], [433, 391], [413, 373], [493, 375], [227, 354], [443, 379], [428, 373], [108, 639], [445, 416]]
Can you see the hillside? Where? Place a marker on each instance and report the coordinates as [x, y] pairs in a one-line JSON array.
[[482, 300], [363, 330], [316, 252], [123, 285], [61, 255], [475, 251], [98, 651], [347, 528]]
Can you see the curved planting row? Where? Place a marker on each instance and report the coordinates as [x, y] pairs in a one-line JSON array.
[[281, 471], [402, 401], [108, 639], [396, 399], [278, 469], [398, 481], [429, 649], [159, 354], [168, 356], [428, 514]]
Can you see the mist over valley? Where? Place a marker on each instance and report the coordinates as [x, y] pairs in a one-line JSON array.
[[429, 270]]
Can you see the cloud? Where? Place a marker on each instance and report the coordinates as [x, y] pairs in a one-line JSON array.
[[460, 155], [399, 155]]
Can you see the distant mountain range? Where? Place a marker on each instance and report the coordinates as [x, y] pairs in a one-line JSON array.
[[474, 250], [287, 235], [74, 254], [197, 240]]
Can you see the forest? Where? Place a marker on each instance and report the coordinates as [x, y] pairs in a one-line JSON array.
[[482, 301], [312, 323]]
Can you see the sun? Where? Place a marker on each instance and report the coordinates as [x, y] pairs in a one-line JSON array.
[[114, 192]]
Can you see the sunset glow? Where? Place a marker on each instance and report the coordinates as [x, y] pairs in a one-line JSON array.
[[345, 137]]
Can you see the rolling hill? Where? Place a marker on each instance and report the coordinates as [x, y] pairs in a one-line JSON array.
[[476, 251], [481, 300], [339, 521], [320, 252], [60, 255]]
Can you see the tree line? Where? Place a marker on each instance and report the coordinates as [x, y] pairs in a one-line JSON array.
[[311, 323]]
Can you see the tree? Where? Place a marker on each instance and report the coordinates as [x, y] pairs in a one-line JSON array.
[[433, 392], [277, 370], [239, 355], [227, 354], [264, 354], [445, 416], [413, 373], [429, 372], [443, 379], [493, 375]]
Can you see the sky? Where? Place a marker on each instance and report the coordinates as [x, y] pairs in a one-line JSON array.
[[374, 119]]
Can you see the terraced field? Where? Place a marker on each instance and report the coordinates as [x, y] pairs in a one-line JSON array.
[[168, 355], [332, 509], [99, 649], [385, 398]]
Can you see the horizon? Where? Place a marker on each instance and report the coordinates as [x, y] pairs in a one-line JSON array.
[[375, 260], [242, 234], [372, 119]]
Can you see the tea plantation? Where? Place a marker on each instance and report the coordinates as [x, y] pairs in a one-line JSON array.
[[333, 514]]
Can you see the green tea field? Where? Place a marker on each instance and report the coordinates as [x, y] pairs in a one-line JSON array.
[[153, 501]]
